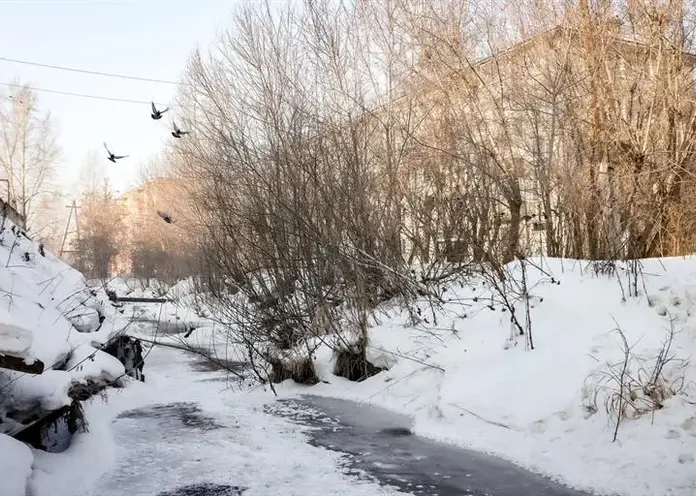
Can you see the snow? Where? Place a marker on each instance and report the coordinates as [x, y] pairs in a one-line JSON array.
[[47, 313], [49, 299], [14, 338], [49, 391], [213, 339], [15, 466], [132, 287], [146, 454], [463, 375], [86, 363], [467, 380]]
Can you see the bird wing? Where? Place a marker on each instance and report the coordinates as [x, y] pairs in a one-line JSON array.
[[163, 111], [154, 109], [165, 216], [120, 156], [176, 129], [107, 149]]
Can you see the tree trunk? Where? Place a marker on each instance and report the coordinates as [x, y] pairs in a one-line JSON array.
[[513, 235]]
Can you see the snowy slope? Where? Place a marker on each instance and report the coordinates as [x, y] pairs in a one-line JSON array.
[[47, 313], [467, 379], [182, 322], [48, 299]]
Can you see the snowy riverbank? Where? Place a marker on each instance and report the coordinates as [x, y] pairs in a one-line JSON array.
[[464, 381], [52, 327]]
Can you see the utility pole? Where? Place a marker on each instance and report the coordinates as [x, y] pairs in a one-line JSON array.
[[73, 211]]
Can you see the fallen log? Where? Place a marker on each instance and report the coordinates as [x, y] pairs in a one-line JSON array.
[[18, 364], [37, 428], [132, 299]]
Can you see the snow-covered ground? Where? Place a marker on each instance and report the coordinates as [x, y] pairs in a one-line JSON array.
[[174, 317], [462, 375], [465, 381], [184, 428], [47, 313]]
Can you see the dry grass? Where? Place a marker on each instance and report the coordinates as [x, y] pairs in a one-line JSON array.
[[351, 363], [630, 392], [299, 370], [82, 391], [77, 422], [635, 386]]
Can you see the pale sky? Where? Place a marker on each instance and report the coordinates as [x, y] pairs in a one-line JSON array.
[[144, 38]]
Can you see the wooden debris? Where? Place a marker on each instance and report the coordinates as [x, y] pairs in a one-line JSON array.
[[19, 365]]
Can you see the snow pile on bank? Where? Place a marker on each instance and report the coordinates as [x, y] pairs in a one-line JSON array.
[[182, 326], [170, 320], [46, 309], [181, 307], [47, 314], [186, 298], [132, 287], [15, 466], [467, 377]]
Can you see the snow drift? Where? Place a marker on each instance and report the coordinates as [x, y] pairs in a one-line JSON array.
[[47, 314], [468, 377]]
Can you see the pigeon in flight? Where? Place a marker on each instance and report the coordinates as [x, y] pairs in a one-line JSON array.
[[157, 114], [113, 157], [165, 217], [178, 133]]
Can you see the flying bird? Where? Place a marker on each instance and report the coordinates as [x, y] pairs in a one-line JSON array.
[[113, 157], [165, 217], [157, 114], [178, 133]]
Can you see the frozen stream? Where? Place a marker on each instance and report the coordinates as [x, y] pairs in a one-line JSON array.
[[380, 443], [189, 432]]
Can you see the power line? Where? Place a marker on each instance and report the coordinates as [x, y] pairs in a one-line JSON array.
[[86, 71], [82, 95]]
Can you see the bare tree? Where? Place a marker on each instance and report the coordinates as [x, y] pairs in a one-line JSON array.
[[339, 147], [28, 151], [101, 232], [295, 177]]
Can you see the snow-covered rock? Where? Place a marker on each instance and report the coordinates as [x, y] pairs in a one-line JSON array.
[[15, 339], [87, 363]]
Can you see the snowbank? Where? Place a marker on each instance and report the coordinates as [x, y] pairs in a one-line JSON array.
[[27, 393], [468, 378], [181, 320], [47, 313], [15, 466], [48, 299], [15, 339], [85, 363]]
